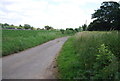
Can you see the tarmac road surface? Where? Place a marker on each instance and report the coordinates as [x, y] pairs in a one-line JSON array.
[[33, 63]]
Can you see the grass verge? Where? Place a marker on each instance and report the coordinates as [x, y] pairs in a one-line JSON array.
[[90, 55]]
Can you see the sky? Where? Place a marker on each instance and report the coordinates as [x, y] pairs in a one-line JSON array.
[[56, 13]]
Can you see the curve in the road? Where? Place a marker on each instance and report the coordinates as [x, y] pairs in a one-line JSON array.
[[32, 63]]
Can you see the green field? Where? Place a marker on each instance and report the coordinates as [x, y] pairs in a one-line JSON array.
[[90, 55], [17, 40]]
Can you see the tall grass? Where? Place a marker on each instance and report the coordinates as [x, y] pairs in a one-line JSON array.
[[0, 42], [17, 40], [91, 55]]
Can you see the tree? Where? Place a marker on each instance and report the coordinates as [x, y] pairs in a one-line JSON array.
[[20, 25], [109, 14], [27, 26], [98, 25], [80, 28], [32, 28], [84, 27], [77, 29], [48, 27], [38, 29], [11, 25], [70, 29], [62, 31], [5, 24]]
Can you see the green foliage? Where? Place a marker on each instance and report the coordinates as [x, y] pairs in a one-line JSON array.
[[77, 29], [84, 27], [107, 17], [80, 28], [27, 26], [105, 61], [105, 56], [62, 31], [20, 27], [38, 29], [48, 27], [18, 40], [5, 24], [91, 55], [99, 25], [70, 31]]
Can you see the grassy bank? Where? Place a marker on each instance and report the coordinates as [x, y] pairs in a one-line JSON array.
[[17, 40], [0, 42], [90, 55]]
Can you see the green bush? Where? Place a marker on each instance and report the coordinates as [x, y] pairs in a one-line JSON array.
[[104, 65]]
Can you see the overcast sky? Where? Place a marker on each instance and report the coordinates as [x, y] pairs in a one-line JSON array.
[[55, 13]]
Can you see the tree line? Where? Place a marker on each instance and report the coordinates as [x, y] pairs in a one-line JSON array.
[[24, 27], [27, 26], [106, 18], [8, 26]]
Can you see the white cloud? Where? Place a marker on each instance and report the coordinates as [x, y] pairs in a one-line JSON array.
[[57, 13]]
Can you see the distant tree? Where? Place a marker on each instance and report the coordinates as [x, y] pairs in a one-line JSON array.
[[70, 29], [32, 28], [48, 27], [27, 26], [77, 29], [80, 28], [11, 25], [38, 29], [62, 31], [20, 25], [5, 24], [107, 15], [84, 27]]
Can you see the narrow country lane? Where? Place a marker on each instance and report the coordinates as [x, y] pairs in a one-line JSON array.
[[33, 63]]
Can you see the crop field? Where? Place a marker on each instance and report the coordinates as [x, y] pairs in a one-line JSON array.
[[91, 55], [17, 40]]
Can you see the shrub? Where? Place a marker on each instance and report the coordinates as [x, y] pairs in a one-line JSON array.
[[104, 65]]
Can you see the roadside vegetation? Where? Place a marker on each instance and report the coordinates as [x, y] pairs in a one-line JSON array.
[[17, 40], [96, 54], [0, 42], [90, 55]]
